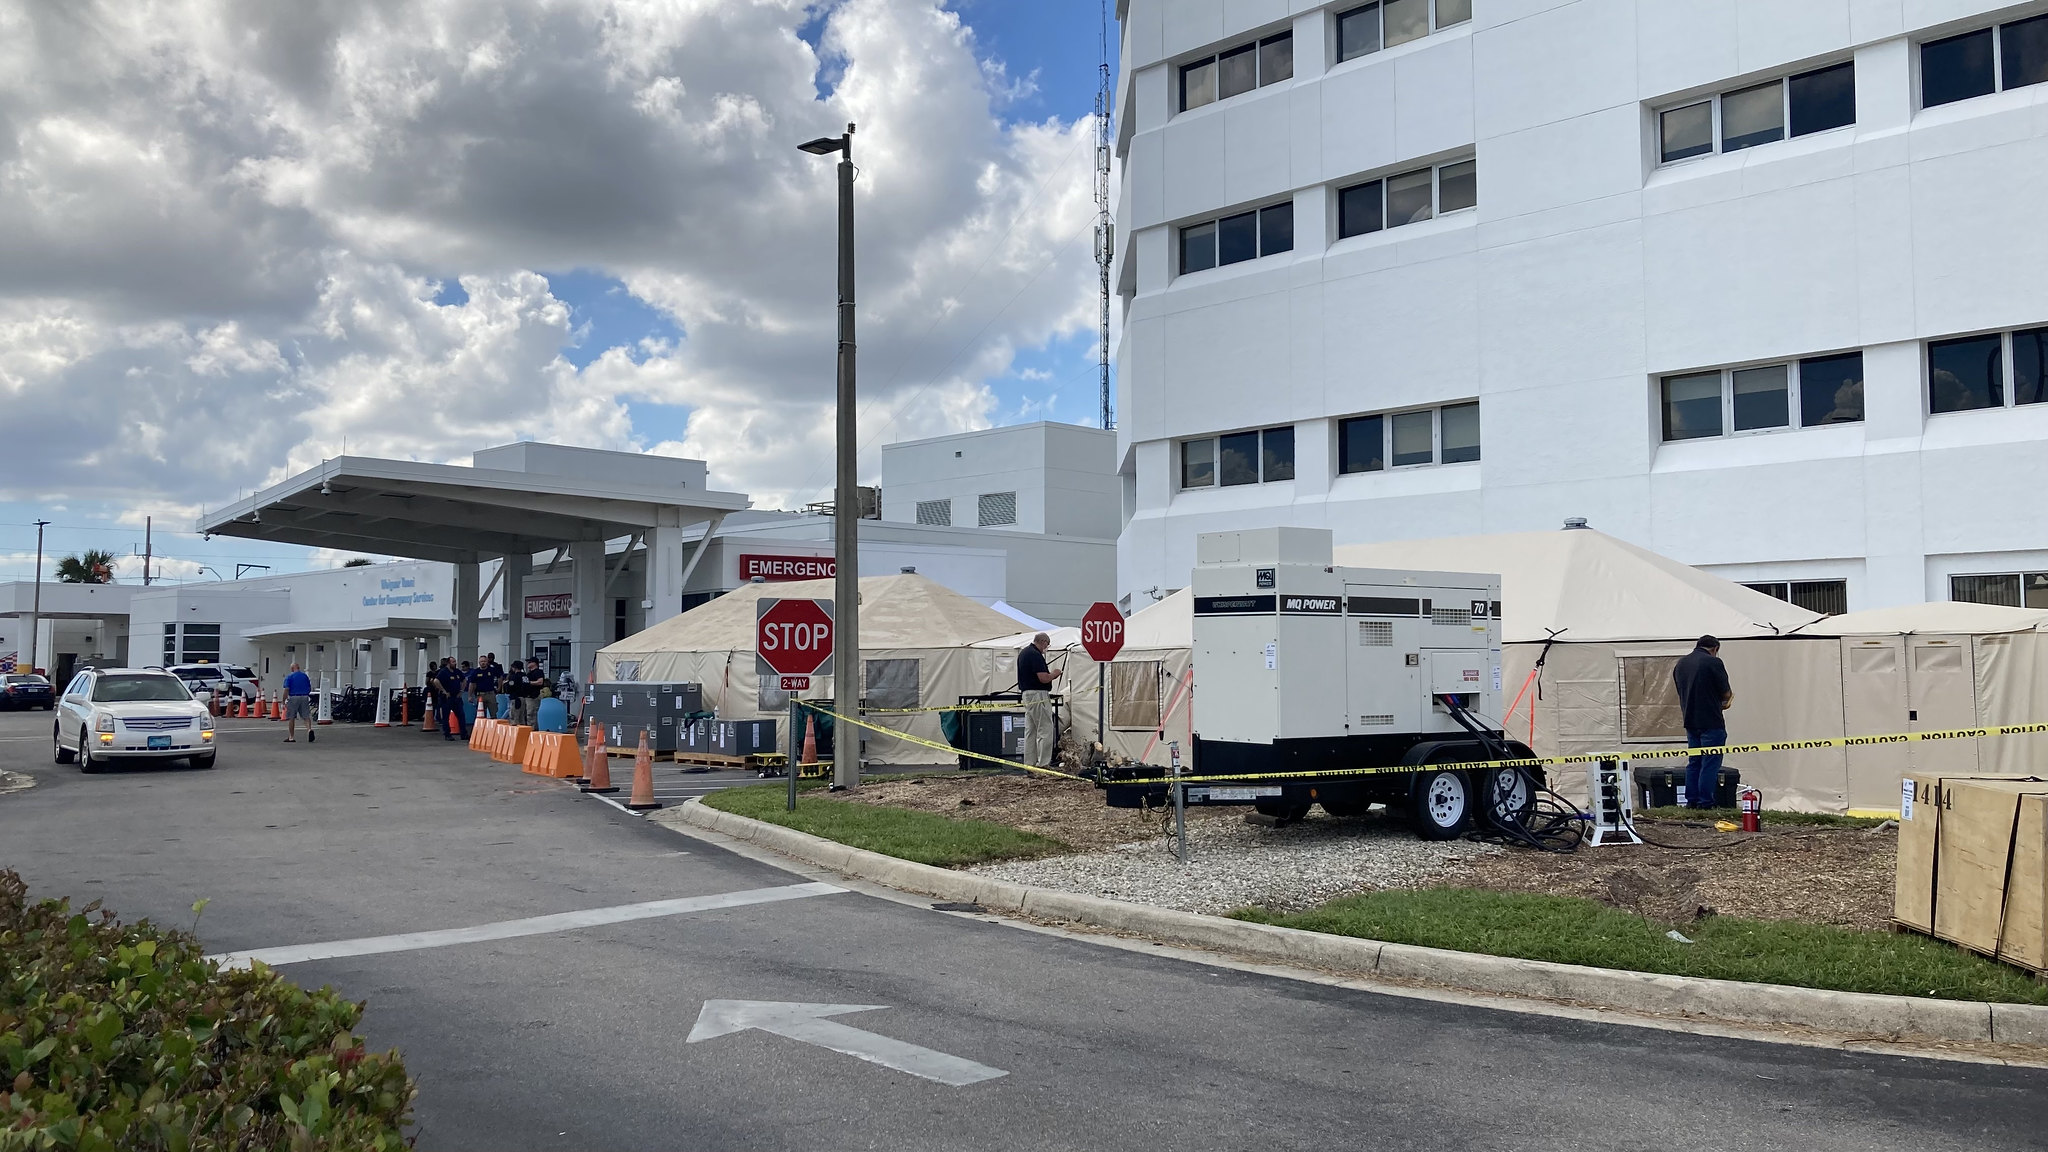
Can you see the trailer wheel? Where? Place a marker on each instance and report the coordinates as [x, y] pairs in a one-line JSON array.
[[1506, 795], [1440, 804], [1286, 812]]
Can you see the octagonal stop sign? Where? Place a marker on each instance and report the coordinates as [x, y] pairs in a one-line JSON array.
[[792, 637], [1102, 632]]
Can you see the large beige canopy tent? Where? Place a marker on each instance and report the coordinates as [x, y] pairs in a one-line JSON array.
[[917, 642], [1935, 666], [1150, 683]]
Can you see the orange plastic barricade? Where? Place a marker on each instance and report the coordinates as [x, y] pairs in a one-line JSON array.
[[552, 754], [512, 745], [480, 734]]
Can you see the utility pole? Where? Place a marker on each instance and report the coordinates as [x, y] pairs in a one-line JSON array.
[[1105, 225], [846, 509], [148, 523], [36, 611]]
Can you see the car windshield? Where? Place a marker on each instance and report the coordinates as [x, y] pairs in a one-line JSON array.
[[116, 689], [26, 680]]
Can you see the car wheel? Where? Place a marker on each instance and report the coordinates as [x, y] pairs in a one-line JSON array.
[[1441, 804], [86, 763], [204, 762], [64, 754]]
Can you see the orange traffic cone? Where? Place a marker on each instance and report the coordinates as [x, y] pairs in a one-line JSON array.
[[810, 739], [404, 709], [643, 777], [597, 776]]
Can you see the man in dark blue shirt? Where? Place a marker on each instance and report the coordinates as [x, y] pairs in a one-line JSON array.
[[1034, 680], [483, 684], [448, 700], [1703, 695]]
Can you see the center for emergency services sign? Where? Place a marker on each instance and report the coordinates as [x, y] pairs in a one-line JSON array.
[[792, 639]]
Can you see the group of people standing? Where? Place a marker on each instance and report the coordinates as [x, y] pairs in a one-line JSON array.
[[454, 686]]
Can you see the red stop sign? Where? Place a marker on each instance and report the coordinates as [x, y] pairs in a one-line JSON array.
[[1102, 631], [794, 637]]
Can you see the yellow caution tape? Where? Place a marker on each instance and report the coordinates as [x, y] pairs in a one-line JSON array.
[[921, 741], [1523, 762]]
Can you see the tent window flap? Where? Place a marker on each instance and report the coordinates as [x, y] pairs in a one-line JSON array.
[[1134, 694]]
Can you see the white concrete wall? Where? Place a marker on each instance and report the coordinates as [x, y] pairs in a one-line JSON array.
[[1063, 475], [1587, 272]]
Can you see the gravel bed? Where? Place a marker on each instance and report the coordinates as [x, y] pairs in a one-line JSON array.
[[1233, 864]]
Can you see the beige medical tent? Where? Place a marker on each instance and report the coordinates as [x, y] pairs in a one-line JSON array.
[[1150, 683], [1935, 666], [918, 650]]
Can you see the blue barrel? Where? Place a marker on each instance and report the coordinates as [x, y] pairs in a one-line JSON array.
[[554, 716]]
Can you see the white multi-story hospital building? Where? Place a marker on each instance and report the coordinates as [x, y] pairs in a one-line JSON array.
[[1759, 284]]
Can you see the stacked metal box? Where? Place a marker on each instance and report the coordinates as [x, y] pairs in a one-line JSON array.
[[743, 737], [624, 709]]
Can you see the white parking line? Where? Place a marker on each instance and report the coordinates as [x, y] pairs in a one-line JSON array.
[[531, 926]]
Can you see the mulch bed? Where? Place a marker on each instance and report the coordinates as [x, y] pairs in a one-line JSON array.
[[1838, 876]]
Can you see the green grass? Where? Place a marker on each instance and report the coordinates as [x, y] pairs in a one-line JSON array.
[[1770, 817], [1570, 930], [898, 832]]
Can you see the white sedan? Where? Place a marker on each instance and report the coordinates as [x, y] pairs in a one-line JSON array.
[[121, 713]]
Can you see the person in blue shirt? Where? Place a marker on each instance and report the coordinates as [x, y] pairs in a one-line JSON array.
[[298, 704], [448, 699]]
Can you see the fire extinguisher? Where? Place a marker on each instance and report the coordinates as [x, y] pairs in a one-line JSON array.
[[1750, 803]]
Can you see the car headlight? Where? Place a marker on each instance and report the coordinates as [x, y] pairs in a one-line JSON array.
[[104, 722]]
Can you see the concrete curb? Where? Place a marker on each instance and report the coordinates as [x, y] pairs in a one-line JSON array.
[[1854, 1013]]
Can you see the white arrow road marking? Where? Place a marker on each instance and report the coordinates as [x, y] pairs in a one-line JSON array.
[[806, 1022], [531, 926]]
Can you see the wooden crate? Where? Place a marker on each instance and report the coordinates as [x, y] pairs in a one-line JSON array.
[[1973, 864]]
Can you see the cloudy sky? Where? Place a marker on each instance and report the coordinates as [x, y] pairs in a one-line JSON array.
[[243, 235]]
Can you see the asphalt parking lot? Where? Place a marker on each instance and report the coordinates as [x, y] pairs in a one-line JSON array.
[[543, 960]]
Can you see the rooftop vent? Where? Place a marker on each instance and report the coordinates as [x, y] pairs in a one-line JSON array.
[[907, 570], [1575, 524]]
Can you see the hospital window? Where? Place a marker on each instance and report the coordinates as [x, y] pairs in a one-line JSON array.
[[619, 620], [1260, 456], [1390, 23], [1407, 198], [1763, 398], [1253, 64], [1990, 371], [170, 643], [1266, 231], [1759, 114], [202, 644], [2012, 589], [1447, 435], [1827, 597], [1988, 60]]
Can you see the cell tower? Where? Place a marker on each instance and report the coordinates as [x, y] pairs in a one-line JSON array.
[[1105, 224]]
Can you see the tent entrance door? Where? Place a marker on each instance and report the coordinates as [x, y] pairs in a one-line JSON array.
[[1874, 703], [1941, 692]]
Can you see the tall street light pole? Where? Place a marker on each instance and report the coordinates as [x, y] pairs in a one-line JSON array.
[[35, 630], [846, 509]]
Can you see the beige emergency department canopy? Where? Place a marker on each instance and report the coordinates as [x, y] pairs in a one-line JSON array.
[[918, 651]]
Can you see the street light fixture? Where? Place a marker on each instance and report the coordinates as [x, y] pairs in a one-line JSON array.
[[846, 507]]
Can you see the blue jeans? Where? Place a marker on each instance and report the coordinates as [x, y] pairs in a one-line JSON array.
[[1703, 773]]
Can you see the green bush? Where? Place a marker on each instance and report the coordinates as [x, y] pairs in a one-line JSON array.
[[123, 1036]]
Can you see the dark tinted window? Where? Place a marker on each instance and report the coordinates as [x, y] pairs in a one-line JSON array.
[[1237, 238], [2002, 589], [1360, 210], [1956, 68], [2023, 50], [1761, 397], [1198, 83], [1277, 463], [1692, 406], [1965, 374], [1237, 72], [1831, 390], [1276, 229], [1240, 458], [1687, 131], [1198, 248], [1358, 32], [1753, 116], [40, 680], [1409, 197], [2029, 361], [1197, 463], [1824, 99], [1361, 444], [1457, 186], [1276, 58]]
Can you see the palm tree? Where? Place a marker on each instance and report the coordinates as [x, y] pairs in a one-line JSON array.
[[93, 566]]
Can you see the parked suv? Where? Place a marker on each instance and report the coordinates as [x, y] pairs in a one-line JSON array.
[[128, 713], [222, 681], [25, 690]]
